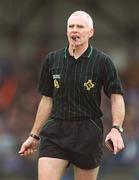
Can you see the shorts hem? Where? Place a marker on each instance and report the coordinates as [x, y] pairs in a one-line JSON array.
[[52, 156], [86, 167]]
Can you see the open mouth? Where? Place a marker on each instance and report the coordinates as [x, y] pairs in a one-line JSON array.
[[75, 37]]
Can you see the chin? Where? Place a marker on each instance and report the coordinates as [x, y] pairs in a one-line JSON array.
[[76, 44]]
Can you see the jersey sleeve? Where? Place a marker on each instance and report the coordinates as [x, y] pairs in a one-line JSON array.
[[45, 85], [111, 81]]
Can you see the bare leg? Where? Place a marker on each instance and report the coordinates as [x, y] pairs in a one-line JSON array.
[[83, 174], [51, 168]]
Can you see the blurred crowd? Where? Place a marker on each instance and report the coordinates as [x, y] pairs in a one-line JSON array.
[[18, 105]]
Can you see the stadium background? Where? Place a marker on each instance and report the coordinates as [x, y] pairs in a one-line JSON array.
[[29, 29]]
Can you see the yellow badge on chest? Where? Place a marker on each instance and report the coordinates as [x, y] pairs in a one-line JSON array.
[[89, 84], [56, 84]]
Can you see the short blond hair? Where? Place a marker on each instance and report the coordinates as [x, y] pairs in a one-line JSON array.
[[83, 14]]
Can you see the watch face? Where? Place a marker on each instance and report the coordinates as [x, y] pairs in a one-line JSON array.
[[121, 129]]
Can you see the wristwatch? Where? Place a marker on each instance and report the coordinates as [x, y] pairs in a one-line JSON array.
[[119, 128], [35, 137]]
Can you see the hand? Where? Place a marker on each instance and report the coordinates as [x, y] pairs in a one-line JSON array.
[[28, 147], [117, 140]]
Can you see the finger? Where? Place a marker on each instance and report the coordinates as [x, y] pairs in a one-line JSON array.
[[22, 150], [34, 150], [123, 144], [120, 145], [26, 153], [29, 152], [23, 153], [107, 138], [115, 149]]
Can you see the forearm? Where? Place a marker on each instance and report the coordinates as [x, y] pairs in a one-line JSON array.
[[43, 113], [118, 109]]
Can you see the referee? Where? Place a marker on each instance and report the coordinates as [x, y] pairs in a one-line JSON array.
[[68, 121]]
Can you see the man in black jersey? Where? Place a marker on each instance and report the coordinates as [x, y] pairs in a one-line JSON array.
[[68, 120]]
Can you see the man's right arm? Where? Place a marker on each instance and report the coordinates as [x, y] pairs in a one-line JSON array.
[[43, 113]]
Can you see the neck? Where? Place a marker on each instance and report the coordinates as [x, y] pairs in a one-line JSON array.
[[77, 51]]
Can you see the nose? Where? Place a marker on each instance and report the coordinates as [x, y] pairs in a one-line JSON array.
[[75, 29]]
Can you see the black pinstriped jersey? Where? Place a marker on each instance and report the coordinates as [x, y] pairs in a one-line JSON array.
[[76, 84]]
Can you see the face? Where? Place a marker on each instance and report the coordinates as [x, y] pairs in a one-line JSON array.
[[78, 31]]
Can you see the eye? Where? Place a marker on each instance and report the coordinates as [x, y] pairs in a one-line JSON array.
[[71, 26], [80, 26]]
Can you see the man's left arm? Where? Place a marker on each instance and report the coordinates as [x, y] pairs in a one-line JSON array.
[[118, 114]]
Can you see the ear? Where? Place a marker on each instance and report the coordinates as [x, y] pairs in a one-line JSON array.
[[67, 33], [91, 32]]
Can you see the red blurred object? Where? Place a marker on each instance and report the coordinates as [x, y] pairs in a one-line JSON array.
[[7, 92]]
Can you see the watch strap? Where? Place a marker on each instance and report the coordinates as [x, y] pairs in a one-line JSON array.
[[35, 137], [120, 129]]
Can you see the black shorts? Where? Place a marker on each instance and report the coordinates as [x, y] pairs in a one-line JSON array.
[[79, 142]]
